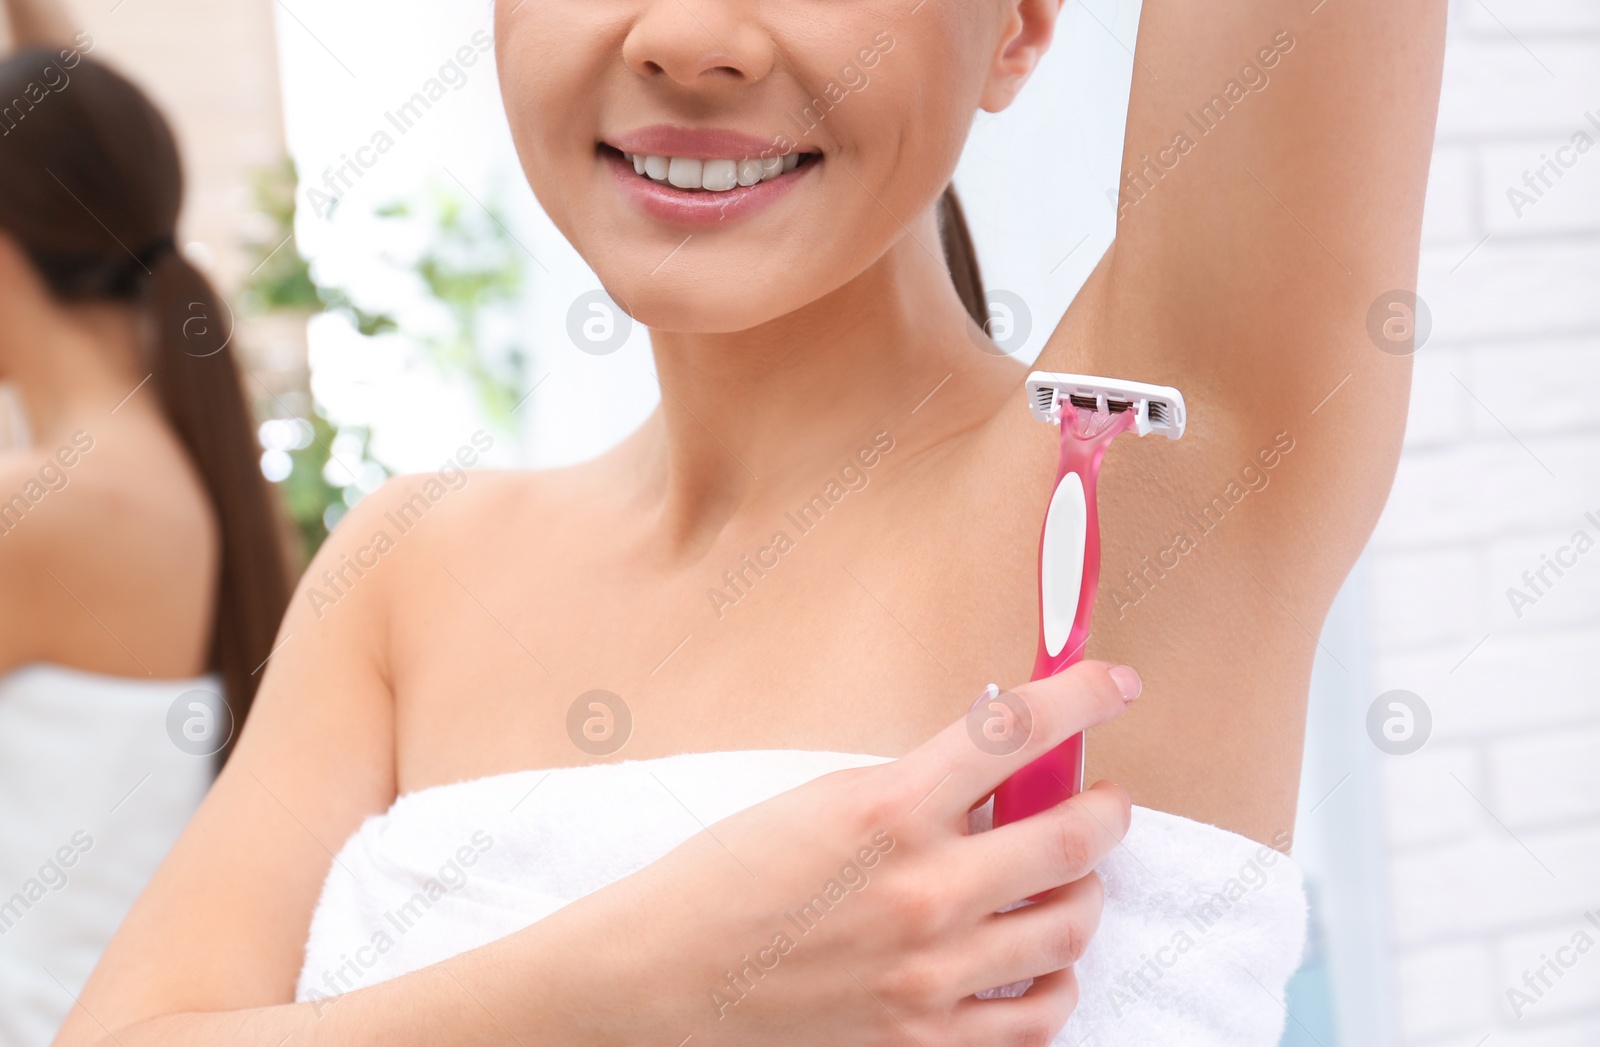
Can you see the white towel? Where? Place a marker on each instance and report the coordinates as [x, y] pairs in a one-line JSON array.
[[1201, 931], [93, 793]]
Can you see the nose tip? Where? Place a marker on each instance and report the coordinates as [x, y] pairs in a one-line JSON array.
[[712, 42]]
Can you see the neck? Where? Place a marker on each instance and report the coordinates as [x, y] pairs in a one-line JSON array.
[[747, 418], [70, 366]]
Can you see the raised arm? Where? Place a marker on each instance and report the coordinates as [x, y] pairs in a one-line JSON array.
[[1269, 217], [38, 23], [1271, 192]]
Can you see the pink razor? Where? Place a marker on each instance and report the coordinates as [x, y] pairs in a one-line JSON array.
[[1091, 412]]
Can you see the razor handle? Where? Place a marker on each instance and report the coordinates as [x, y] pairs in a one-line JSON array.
[[1069, 577]]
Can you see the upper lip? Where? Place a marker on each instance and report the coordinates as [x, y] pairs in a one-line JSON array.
[[696, 143]]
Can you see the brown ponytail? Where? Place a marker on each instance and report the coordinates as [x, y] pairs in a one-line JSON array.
[[90, 188], [204, 401], [962, 257]]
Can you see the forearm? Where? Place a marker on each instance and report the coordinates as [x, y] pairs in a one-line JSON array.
[[38, 23], [536, 986], [430, 1006]]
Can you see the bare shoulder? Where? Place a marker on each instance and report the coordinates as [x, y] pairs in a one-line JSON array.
[[417, 530], [455, 506], [107, 555]]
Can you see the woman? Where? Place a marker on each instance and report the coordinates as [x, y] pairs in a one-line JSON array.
[[800, 326], [141, 575]]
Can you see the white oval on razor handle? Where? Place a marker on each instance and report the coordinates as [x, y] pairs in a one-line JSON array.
[[1061, 560]]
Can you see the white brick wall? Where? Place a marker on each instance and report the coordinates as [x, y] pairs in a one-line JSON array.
[[1494, 826]]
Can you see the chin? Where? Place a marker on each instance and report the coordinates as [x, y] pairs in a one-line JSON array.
[[737, 295], [714, 279]]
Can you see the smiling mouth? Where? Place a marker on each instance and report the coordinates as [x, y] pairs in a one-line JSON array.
[[713, 175]]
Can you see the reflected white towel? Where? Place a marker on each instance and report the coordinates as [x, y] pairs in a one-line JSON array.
[[93, 792], [1201, 930]]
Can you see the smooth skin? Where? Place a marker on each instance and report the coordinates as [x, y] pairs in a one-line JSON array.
[[113, 569], [783, 343]]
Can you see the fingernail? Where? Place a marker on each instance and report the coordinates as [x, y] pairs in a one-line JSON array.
[[990, 693], [1127, 681]]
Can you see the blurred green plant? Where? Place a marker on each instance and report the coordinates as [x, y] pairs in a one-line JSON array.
[[469, 265], [281, 280], [321, 469], [298, 451]]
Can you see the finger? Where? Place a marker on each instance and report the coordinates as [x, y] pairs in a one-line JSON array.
[[963, 763], [1037, 939], [1052, 848], [1038, 1016]]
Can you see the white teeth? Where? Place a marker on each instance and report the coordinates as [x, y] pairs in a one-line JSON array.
[[685, 173], [717, 176]]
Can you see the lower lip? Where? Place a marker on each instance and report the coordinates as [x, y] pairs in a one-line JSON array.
[[668, 203]]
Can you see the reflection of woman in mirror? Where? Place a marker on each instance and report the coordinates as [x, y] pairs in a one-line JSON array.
[[139, 556], [436, 814]]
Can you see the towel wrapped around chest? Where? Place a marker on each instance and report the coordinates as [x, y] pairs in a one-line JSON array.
[[1202, 928]]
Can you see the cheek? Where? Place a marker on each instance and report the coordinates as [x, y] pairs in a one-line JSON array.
[[900, 133], [549, 91], [532, 71], [906, 96]]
